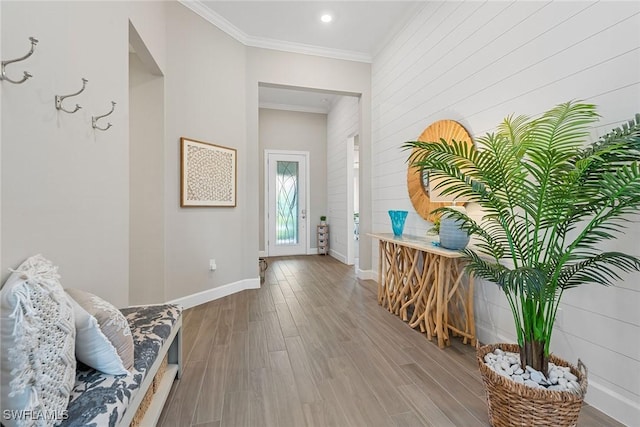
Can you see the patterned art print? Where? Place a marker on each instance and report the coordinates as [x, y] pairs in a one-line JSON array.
[[208, 174]]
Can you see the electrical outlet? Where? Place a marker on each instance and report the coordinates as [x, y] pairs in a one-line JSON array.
[[212, 265]]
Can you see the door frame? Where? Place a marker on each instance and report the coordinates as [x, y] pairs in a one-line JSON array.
[[350, 146], [267, 152]]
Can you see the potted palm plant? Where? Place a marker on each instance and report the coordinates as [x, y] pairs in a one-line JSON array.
[[549, 201]]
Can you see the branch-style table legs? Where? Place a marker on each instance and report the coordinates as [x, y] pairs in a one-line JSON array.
[[428, 290]]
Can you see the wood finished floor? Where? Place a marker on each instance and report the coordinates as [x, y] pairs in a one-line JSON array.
[[313, 348]]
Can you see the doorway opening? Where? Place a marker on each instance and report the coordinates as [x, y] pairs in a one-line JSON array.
[[317, 121], [353, 200]]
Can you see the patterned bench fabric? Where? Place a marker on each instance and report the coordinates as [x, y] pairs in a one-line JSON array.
[[99, 399]]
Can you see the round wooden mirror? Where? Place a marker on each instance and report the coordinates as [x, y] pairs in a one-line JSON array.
[[418, 180]]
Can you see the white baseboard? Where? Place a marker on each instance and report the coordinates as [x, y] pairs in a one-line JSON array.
[[367, 275], [310, 251], [337, 255], [599, 396], [216, 293], [613, 404]]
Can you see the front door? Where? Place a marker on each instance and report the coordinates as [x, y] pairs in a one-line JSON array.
[[287, 203]]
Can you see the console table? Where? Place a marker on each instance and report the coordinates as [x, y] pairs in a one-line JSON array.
[[425, 285]]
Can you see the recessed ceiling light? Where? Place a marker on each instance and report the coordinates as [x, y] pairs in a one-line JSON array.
[[326, 18]]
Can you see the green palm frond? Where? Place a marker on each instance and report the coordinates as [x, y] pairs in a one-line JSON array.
[[619, 196], [601, 269], [619, 146], [548, 203], [563, 128]]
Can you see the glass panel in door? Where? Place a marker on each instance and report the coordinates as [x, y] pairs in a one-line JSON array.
[[287, 221], [287, 209]]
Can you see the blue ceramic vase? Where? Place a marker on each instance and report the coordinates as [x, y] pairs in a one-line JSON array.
[[452, 236]]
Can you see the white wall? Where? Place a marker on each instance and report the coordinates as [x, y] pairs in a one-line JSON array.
[[66, 188], [342, 123], [356, 181], [2, 268], [205, 101], [146, 196], [149, 21], [64, 185], [296, 131], [524, 57]]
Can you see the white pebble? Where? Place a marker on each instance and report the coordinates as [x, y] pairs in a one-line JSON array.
[[568, 375], [538, 377], [508, 365]]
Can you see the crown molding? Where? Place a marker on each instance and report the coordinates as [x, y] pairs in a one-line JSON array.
[[223, 24], [307, 49], [289, 107], [203, 11]]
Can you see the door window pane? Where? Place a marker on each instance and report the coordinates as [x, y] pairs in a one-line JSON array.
[[287, 203]]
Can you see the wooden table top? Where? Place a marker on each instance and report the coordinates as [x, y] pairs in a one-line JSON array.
[[416, 242]]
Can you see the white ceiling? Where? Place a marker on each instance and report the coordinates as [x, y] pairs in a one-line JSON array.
[[358, 31]]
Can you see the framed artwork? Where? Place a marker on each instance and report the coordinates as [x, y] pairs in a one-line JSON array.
[[208, 174]]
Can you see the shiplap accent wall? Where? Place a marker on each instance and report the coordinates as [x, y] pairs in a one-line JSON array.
[[477, 62], [342, 123]]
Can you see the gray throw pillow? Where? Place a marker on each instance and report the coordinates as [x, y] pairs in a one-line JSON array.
[[104, 339]]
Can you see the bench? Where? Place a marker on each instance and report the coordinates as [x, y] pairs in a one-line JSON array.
[[137, 398]]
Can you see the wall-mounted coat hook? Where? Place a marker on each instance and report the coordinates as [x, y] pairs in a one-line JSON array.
[[94, 119], [60, 98], [3, 75]]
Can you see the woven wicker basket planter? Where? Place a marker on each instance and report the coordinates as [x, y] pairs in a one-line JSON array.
[[512, 404]]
